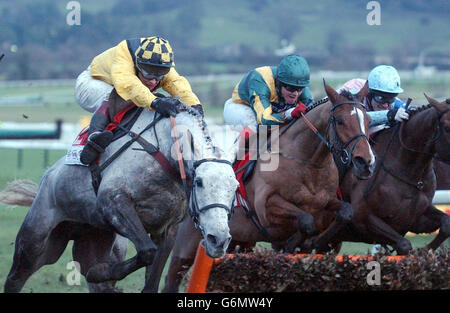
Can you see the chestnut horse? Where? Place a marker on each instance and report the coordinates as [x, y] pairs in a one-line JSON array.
[[398, 197], [298, 199]]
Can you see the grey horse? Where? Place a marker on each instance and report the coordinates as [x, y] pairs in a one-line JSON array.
[[136, 197]]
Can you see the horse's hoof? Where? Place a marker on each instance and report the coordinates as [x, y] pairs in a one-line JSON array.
[[99, 273], [293, 242], [308, 245]]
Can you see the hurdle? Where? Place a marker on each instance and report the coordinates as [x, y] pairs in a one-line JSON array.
[[203, 265]]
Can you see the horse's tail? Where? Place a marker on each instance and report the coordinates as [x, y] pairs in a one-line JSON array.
[[19, 192]]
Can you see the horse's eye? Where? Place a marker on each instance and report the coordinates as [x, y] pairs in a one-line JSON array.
[[199, 182], [447, 129], [339, 122]]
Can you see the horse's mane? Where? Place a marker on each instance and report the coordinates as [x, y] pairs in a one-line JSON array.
[[418, 109], [199, 120], [344, 93]]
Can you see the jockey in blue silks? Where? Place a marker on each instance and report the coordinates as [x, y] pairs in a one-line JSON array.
[[381, 102]]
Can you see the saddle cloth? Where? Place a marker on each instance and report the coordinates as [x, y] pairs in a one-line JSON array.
[[74, 151], [125, 118], [242, 170]]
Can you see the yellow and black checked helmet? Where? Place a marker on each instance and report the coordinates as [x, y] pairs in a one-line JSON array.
[[154, 51]]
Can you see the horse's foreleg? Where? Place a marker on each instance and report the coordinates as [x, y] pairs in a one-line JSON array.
[[154, 272], [344, 215], [121, 215], [386, 234], [305, 221], [183, 254], [431, 221]]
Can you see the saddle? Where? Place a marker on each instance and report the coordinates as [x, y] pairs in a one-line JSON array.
[[121, 125]]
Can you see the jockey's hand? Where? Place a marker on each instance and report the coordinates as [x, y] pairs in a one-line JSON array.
[[300, 108], [166, 106], [397, 115]]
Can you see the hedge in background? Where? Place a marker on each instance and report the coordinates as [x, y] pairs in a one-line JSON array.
[[265, 271]]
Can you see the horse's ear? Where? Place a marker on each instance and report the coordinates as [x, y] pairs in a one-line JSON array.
[[363, 92], [331, 93], [432, 101]]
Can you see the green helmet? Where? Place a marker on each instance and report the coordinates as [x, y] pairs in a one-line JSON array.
[[293, 70]]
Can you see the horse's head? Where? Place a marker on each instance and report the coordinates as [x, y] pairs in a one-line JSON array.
[[349, 126], [213, 187], [211, 203], [442, 142]]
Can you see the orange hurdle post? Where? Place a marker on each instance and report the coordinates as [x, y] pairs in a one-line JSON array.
[[200, 273]]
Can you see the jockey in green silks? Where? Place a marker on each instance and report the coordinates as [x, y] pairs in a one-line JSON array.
[[270, 95]]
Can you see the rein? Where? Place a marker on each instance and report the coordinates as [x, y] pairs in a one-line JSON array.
[[194, 209], [437, 135], [340, 151], [345, 157], [419, 185], [96, 169]]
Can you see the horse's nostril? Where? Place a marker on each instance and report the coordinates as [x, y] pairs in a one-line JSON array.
[[212, 239], [360, 162]]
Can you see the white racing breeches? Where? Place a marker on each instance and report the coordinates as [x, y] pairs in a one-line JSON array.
[[239, 114], [91, 92]]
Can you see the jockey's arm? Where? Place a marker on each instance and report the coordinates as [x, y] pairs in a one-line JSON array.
[[124, 79], [381, 117], [263, 109], [178, 86]]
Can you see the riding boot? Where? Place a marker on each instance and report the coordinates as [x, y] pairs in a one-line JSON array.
[[98, 138]]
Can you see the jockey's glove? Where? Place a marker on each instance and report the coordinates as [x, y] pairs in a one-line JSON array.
[[166, 106], [295, 112], [397, 115]]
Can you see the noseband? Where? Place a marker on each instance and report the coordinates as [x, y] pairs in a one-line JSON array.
[[194, 209]]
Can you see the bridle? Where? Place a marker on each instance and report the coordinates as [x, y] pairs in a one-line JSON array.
[[194, 209], [419, 183], [437, 136], [339, 148]]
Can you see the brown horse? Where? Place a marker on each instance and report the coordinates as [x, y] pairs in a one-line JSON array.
[[398, 197], [298, 199], [442, 171]]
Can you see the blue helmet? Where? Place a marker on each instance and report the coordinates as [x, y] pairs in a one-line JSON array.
[[385, 78]]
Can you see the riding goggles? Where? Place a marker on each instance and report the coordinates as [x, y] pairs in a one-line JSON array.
[[157, 72], [383, 99], [291, 88]]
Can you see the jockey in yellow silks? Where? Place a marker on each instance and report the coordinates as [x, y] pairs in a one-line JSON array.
[[135, 68]]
